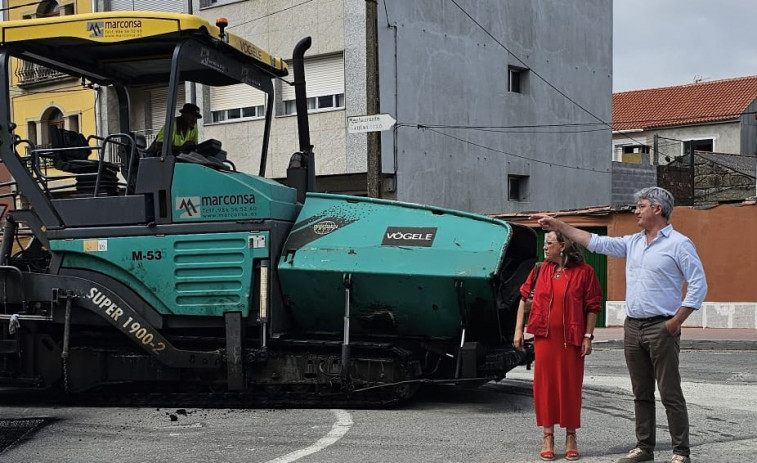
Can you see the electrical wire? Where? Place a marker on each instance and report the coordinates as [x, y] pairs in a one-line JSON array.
[[541, 129], [269, 14], [531, 70], [488, 148], [563, 94], [9, 8]]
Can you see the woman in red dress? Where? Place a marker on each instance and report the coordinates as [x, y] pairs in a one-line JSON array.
[[566, 301]]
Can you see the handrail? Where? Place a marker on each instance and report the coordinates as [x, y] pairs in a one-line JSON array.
[[34, 158], [11, 269], [123, 140], [130, 157]]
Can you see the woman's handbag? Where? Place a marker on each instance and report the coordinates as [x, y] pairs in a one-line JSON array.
[[530, 298]]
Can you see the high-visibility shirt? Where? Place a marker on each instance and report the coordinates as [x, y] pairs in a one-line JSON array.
[[179, 139]]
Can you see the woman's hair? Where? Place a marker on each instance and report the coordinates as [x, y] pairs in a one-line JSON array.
[[572, 254], [657, 197]]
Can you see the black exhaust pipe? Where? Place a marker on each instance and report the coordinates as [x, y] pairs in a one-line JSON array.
[[301, 170]]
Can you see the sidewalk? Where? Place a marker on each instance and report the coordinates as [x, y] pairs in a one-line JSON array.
[[691, 338]]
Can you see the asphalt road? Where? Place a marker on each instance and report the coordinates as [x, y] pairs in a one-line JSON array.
[[490, 424]]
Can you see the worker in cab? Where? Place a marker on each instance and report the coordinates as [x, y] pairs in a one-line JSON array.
[[185, 135]]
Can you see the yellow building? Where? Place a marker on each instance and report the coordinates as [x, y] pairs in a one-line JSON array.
[[43, 97]]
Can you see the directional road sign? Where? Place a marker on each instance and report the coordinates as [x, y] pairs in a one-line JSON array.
[[374, 123]]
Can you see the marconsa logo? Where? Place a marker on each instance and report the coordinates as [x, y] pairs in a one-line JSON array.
[[228, 200], [131, 24], [409, 236]]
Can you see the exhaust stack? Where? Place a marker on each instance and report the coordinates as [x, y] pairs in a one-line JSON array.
[[301, 170]]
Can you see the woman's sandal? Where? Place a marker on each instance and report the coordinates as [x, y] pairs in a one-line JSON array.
[[571, 455], [548, 455]]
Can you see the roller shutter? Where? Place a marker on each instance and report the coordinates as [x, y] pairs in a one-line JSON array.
[[235, 96], [158, 102], [323, 76], [170, 6]]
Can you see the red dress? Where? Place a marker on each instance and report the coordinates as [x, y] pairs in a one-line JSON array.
[[558, 369]]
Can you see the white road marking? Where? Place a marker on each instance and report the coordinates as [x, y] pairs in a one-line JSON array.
[[338, 430]]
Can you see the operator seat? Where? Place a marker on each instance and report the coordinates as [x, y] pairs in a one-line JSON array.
[[70, 153]]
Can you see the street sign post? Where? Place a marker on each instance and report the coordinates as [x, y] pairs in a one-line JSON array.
[[373, 123]]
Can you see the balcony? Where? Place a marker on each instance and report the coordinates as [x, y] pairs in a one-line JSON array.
[[30, 74]]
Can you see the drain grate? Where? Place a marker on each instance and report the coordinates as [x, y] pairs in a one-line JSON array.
[[13, 430]]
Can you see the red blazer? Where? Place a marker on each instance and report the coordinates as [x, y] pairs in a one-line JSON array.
[[583, 295]]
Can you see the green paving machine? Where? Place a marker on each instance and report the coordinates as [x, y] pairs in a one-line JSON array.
[[172, 271]]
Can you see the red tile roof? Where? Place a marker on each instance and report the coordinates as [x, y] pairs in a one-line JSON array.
[[702, 102]]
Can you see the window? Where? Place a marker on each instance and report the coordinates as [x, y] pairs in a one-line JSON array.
[[73, 123], [315, 104], [325, 85], [698, 145], [517, 187], [52, 117], [30, 73], [31, 132], [516, 79], [158, 104], [236, 102], [49, 8], [248, 112], [629, 153], [137, 5], [212, 3], [628, 149]]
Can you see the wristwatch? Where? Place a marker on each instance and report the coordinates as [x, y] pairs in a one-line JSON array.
[[589, 335]]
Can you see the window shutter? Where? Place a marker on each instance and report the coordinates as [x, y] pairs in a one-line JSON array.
[[158, 103], [235, 96], [323, 76], [170, 6]]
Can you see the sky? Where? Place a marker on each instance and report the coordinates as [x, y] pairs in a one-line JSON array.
[[660, 43]]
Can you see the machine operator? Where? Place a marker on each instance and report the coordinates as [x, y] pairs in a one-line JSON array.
[[185, 135]]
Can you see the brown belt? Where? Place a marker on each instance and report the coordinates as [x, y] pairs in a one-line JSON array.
[[656, 318]]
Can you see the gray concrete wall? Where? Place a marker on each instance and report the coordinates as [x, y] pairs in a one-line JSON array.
[[628, 178], [440, 70]]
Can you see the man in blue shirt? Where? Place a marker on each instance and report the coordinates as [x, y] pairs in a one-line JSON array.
[[658, 261]]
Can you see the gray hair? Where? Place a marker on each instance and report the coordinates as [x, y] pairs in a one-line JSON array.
[[657, 197]]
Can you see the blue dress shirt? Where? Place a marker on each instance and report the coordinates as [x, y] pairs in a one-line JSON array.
[[655, 273]]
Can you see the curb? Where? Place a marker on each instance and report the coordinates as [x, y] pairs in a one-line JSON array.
[[691, 344]]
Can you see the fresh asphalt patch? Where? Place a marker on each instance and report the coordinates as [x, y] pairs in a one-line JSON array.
[[17, 430]]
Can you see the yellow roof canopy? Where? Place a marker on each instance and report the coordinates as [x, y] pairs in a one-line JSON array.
[[136, 47]]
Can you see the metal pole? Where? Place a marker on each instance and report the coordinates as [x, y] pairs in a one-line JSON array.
[[263, 301], [656, 146], [459, 364], [346, 343], [66, 340], [693, 177]]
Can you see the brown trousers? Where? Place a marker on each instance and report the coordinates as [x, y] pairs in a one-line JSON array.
[[652, 356]]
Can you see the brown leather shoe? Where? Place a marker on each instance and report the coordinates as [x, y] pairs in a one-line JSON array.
[[636, 455]]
